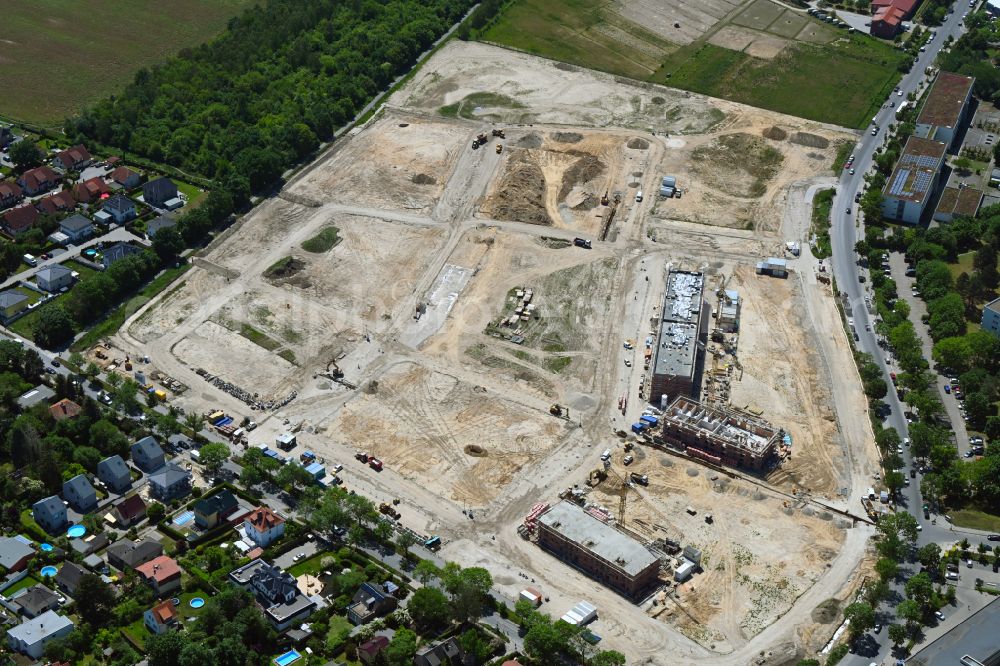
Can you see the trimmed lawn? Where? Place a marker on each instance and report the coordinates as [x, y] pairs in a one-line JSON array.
[[84, 271], [309, 566], [84, 60], [26, 324], [33, 296], [25, 582], [192, 192], [964, 264], [975, 519]]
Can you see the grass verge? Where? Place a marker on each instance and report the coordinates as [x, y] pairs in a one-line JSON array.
[[258, 338], [822, 206], [975, 519]]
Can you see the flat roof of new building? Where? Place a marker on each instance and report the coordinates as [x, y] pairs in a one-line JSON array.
[[602, 540], [948, 93], [677, 342], [916, 169], [963, 201]]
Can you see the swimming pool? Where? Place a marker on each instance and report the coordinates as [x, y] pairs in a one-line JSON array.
[[287, 658], [76, 531], [197, 602], [49, 571], [47, 547], [184, 518]]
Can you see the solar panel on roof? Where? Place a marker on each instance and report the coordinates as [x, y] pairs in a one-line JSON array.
[[922, 182], [897, 183]]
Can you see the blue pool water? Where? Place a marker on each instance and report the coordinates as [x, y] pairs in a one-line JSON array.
[[184, 518], [47, 547], [197, 602], [287, 658], [49, 571], [76, 531]]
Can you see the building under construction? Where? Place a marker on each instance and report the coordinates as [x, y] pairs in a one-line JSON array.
[[721, 435], [598, 549], [680, 346]]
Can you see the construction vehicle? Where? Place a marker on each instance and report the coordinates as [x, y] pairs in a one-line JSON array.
[[596, 477], [629, 446], [361, 456], [499, 148], [559, 410], [641, 479], [499, 133], [628, 460], [475, 144], [482, 139], [604, 199], [387, 510]]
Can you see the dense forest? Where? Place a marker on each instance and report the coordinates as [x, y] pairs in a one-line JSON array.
[[282, 78]]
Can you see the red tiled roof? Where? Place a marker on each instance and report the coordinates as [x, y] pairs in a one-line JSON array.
[[255, 553], [9, 190], [91, 189], [73, 156], [889, 15], [56, 202], [64, 409], [161, 569], [20, 219], [263, 519], [164, 612], [43, 174], [906, 6], [121, 174], [131, 507]]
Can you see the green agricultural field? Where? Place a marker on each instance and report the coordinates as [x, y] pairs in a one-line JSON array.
[[840, 83], [824, 73], [58, 56]]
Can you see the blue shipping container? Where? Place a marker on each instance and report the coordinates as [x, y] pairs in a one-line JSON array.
[[651, 420], [317, 470], [638, 427]]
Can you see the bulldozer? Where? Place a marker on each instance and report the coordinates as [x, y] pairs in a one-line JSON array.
[[499, 148], [499, 133], [556, 410], [482, 139], [604, 199]]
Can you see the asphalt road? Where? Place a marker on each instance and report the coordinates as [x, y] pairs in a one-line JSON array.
[[846, 229]]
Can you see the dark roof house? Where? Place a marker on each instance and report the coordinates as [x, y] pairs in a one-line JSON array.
[[162, 222], [147, 454], [15, 553], [36, 600], [113, 472], [18, 220], [126, 554], [157, 192], [80, 494], [68, 577], [169, 482], [130, 510], [210, 511]]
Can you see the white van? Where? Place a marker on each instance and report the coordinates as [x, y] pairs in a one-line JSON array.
[[606, 455], [30, 260], [638, 196]]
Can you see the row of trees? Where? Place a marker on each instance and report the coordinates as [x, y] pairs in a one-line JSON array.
[[246, 106]]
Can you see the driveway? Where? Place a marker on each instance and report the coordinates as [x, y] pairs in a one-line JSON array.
[[287, 560]]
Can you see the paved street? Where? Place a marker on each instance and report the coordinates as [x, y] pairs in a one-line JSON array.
[[846, 229]]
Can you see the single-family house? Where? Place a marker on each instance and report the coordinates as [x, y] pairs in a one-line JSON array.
[[125, 177], [113, 473], [37, 395], [36, 600], [54, 277], [276, 592], [50, 514], [161, 573], [441, 653], [18, 220], [12, 303], [65, 409], [158, 192], [369, 602], [161, 618], [80, 494], [119, 251], [91, 190], [15, 553], [369, 651], [68, 577], [59, 202], [169, 482], [38, 180], [209, 512], [76, 158], [130, 511], [90, 543], [127, 554], [263, 526], [120, 208], [147, 454], [10, 193], [162, 222], [31, 637]]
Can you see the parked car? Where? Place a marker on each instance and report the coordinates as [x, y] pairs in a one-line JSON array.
[[947, 389], [939, 615], [993, 537]]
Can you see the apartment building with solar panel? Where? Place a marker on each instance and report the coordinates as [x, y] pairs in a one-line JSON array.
[[911, 186]]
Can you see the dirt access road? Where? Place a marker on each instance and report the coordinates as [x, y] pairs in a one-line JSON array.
[[457, 410]]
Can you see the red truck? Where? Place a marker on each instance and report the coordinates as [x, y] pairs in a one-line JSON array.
[[375, 464]]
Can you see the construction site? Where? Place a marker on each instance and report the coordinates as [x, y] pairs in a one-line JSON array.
[[466, 329]]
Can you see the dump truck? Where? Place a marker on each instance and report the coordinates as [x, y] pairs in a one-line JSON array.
[[361, 456], [375, 464], [387, 510], [641, 479], [582, 242], [499, 133]]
